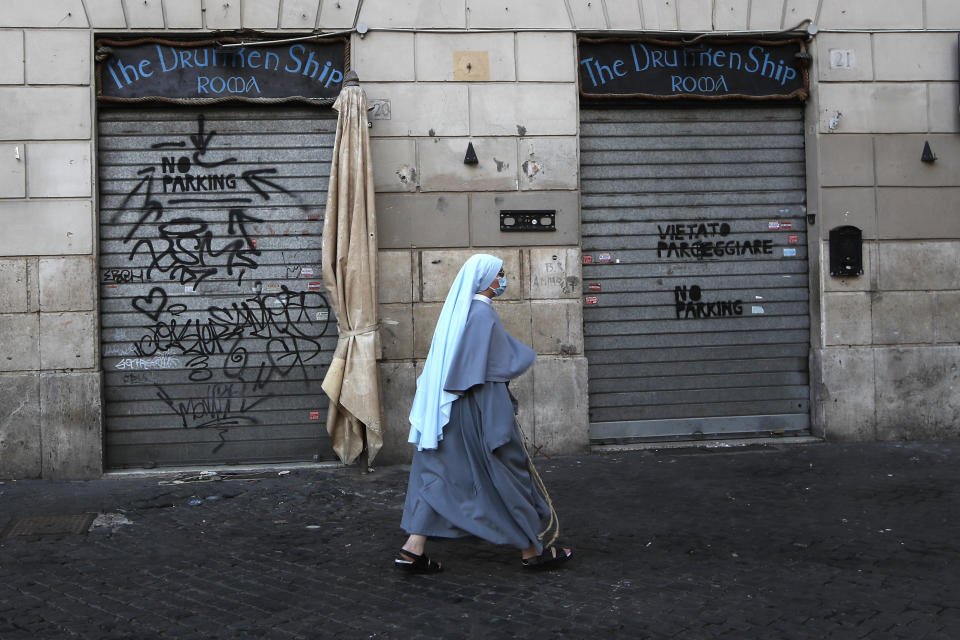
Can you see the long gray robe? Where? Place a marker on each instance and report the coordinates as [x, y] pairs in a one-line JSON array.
[[476, 482]]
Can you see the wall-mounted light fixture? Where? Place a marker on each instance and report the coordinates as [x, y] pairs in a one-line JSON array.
[[471, 157], [927, 155]]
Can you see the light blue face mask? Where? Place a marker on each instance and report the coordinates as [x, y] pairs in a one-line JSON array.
[[503, 285]]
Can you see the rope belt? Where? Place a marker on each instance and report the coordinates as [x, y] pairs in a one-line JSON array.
[[554, 523]]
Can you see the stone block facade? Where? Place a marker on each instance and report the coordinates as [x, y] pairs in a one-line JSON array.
[[895, 91], [503, 76], [536, 308]]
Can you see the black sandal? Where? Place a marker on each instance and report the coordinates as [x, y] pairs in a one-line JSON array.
[[419, 564], [551, 557]]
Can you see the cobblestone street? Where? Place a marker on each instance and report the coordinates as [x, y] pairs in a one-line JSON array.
[[801, 541]]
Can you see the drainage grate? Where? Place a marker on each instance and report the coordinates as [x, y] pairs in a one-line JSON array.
[[49, 525]]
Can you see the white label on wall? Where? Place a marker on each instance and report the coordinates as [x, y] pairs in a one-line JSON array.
[[843, 59]]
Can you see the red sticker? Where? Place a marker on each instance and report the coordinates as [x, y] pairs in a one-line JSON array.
[[253, 242], [594, 286], [587, 259], [786, 224], [793, 239], [591, 300], [314, 415], [604, 257], [314, 286]]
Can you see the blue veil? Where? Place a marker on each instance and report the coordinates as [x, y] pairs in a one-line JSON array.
[[431, 404]]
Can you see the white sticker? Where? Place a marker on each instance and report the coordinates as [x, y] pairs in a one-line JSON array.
[[322, 315], [757, 309], [773, 225], [188, 288], [758, 297], [789, 252], [306, 271]]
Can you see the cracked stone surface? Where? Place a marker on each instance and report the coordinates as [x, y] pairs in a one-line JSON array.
[[812, 541]]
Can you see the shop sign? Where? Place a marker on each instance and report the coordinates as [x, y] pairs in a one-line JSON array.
[[706, 69], [202, 72]]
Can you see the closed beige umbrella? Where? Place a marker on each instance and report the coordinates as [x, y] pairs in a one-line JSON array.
[[350, 276]]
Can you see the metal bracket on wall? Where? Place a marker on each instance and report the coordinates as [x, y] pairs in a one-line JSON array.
[[528, 220]]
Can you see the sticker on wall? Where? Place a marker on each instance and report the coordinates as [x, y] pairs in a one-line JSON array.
[[789, 253], [587, 259], [758, 297], [314, 286], [793, 239], [591, 301], [272, 286], [786, 225], [188, 288], [253, 243], [594, 287], [306, 272], [756, 309], [314, 415], [322, 316], [773, 225], [782, 211], [604, 257]]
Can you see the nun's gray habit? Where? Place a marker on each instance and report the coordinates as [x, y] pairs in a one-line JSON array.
[[476, 481]]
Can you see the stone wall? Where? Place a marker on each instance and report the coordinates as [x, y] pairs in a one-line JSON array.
[[541, 307], [883, 345], [520, 115], [49, 385], [890, 337]]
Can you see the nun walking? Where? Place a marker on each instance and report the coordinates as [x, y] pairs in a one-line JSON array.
[[470, 474]]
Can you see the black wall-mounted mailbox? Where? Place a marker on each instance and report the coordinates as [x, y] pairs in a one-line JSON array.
[[846, 251], [528, 220]]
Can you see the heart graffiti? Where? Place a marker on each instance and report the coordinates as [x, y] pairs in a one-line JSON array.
[[152, 304]]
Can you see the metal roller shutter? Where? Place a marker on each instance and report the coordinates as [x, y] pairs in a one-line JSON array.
[[215, 331], [695, 271]]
